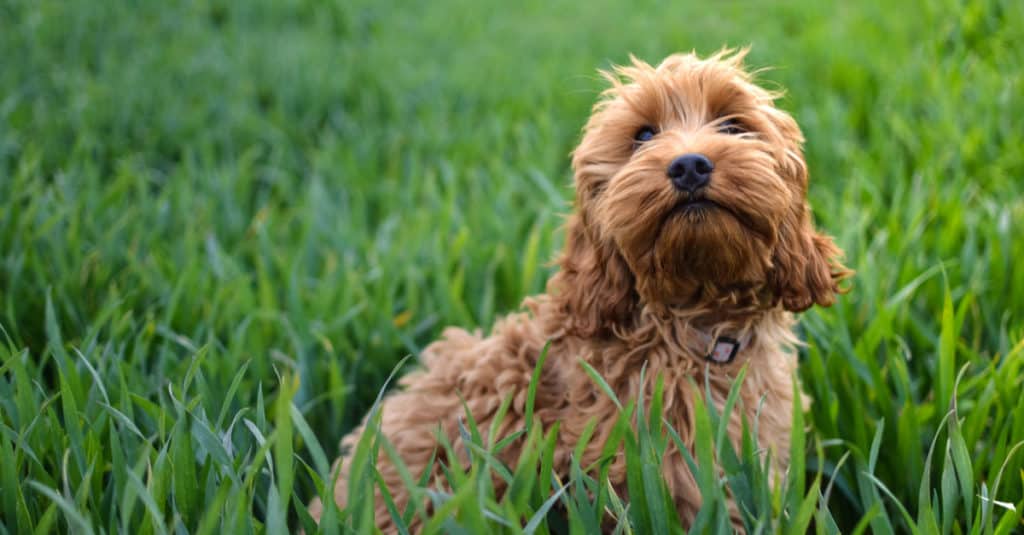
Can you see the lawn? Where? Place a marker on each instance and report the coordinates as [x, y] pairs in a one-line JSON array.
[[222, 225]]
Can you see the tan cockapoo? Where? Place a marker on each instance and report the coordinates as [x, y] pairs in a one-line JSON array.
[[690, 245]]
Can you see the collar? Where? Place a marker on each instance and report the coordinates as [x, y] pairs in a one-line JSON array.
[[722, 349]]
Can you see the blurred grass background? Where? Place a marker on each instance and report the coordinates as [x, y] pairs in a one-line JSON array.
[[313, 189]]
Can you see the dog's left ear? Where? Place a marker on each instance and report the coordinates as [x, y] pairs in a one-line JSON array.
[[806, 268]]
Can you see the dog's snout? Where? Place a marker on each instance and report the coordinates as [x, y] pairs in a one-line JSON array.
[[690, 172]]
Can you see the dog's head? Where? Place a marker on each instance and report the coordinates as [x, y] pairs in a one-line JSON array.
[[690, 186]]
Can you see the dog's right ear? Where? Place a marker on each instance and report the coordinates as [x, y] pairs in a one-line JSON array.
[[594, 288]]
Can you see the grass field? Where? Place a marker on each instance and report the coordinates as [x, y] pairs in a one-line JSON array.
[[222, 225]]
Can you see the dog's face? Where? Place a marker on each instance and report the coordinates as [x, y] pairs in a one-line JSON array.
[[690, 185]]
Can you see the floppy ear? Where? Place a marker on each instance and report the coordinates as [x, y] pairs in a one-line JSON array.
[[594, 287], [805, 264], [806, 270]]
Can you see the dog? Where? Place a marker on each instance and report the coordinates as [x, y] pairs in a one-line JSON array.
[[690, 247]]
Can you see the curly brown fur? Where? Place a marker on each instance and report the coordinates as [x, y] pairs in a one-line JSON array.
[[644, 278]]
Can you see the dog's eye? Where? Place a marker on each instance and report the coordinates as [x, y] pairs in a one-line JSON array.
[[642, 135], [731, 127]]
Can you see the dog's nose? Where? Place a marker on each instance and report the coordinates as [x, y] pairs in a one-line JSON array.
[[690, 172]]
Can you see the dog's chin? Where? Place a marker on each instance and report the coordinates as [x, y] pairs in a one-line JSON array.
[[702, 244]]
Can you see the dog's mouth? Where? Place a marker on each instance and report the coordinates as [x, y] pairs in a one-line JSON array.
[[694, 207], [696, 204], [698, 210]]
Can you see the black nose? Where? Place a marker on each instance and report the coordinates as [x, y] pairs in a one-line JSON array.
[[690, 172]]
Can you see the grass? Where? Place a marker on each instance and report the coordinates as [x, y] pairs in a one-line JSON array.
[[222, 226]]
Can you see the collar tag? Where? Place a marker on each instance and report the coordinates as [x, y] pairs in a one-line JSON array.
[[724, 351]]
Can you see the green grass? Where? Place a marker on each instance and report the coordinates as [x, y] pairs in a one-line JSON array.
[[222, 226]]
